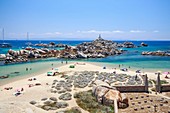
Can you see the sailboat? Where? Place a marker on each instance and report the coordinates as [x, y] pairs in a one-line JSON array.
[[4, 45], [28, 43]]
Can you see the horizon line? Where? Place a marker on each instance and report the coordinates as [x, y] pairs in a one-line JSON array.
[[77, 40]]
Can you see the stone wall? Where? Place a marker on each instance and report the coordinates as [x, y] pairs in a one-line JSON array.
[[165, 88], [161, 88], [131, 88]]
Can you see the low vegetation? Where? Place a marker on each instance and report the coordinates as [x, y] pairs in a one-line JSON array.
[[73, 110], [88, 102], [162, 81]]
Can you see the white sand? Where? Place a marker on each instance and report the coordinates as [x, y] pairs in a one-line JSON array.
[[20, 104]]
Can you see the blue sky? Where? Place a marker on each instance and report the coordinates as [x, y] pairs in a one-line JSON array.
[[85, 19]]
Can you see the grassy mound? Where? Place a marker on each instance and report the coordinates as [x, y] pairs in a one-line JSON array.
[[73, 110], [162, 81], [88, 102]]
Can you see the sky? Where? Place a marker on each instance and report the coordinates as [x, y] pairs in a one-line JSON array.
[[85, 19]]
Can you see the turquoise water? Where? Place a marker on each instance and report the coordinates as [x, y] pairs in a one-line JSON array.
[[34, 68], [132, 58]]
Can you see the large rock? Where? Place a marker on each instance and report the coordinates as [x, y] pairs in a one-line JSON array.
[[66, 96], [99, 92], [124, 101], [2, 56], [61, 104], [81, 55], [106, 95], [128, 45], [110, 96], [53, 98], [156, 53], [33, 102], [143, 44]]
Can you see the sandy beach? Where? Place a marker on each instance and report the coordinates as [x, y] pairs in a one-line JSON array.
[[20, 104]]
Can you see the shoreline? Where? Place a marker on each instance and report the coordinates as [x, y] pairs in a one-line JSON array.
[[26, 76], [109, 66]]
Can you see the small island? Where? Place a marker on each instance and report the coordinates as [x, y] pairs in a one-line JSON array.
[[156, 53], [98, 48]]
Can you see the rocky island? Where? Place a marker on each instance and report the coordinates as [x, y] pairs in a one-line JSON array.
[[156, 53], [98, 48]]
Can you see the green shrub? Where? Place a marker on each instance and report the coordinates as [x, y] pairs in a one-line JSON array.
[[88, 102]]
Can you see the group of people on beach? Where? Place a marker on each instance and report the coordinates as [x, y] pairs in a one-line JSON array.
[[63, 62], [28, 69], [19, 91]]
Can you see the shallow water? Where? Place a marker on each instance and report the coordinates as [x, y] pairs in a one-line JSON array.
[[132, 58]]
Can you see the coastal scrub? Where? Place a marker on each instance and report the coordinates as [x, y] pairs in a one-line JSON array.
[[88, 102]]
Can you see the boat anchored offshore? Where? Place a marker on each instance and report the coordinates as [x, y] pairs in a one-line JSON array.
[[28, 43], [4, 45]]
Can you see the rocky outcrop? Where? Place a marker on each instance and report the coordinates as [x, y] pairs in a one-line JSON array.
[[143, 44], [28, 54], [98, 48], [107, 96], [2, 56], [50, 45], [156, 53], [66, 96], [128, 45]]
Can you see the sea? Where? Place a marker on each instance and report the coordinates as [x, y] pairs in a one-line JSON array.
[[132, 58]]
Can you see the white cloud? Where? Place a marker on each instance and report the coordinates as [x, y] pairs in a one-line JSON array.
[[46, 34], [118, 31], [58, 33], [137, 31], [100, 32], [52, 33], [156, 31]]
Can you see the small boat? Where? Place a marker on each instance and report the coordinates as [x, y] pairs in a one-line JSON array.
[[28, 43], [3, 77], [4, 45]]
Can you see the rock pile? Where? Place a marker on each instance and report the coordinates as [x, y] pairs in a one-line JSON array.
[[61, 86], [66, 96], [28, 53], [49, 104], [50, 45], [83, 79], [156, 53], [98, 48], [107, 96]]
